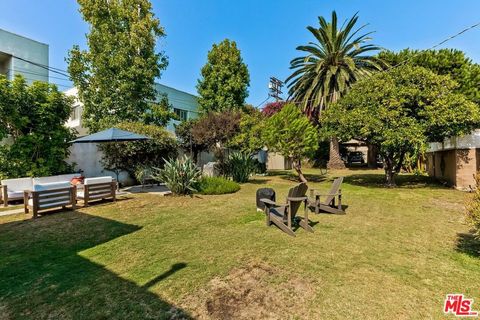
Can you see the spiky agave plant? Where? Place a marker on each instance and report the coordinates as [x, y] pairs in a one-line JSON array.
[[240, 166], [180, 175]]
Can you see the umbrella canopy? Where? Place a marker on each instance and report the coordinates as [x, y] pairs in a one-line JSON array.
[[111, 135]]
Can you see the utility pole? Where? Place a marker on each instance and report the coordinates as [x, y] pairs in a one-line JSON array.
[[275, 88]]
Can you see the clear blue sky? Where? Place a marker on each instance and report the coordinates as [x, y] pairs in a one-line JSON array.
[[267, 32]]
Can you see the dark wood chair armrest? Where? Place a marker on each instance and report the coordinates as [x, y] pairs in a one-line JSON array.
[[269, 202], [296, 199]]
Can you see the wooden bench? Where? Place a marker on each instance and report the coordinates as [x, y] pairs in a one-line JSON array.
[[98, 188], [49, 195], [12, 189]]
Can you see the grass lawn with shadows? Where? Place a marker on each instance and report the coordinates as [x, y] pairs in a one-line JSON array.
[[397, 252]]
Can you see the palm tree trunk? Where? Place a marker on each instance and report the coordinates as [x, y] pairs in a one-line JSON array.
[[335, 160]]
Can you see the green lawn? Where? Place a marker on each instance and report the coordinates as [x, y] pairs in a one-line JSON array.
[[396, 253]]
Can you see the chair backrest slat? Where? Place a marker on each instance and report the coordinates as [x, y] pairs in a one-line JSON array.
[[296, 192], [334, 189]]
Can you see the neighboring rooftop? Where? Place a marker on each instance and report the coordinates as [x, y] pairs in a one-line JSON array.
[[469, 141]]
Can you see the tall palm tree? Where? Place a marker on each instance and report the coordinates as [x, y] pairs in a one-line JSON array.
[[330, 66]]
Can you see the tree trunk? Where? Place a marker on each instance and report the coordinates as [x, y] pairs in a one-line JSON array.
[[390, 173], [194, 153], [335, 160], [372, 156], [297, 165]]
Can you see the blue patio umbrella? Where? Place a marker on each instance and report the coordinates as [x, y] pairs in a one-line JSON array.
[[111, 135]]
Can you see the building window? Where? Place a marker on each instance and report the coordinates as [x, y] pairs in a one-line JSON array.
[[181, 114], [5, 64], [76, 113]]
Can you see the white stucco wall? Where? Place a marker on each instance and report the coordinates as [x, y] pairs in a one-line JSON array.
[[87, 157]]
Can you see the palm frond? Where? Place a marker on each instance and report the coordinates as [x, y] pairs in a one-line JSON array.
[[332, 63]]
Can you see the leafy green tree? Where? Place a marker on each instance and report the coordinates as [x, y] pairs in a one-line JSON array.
[[338, 58], [224, 79], [185, 137], [249, 138], [129, 156], [115, 76], [450, 62], [399, 111], [160, 112], [216, 129], [291, 133], [33, 118]]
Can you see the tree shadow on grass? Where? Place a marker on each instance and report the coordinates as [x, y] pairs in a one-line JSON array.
[[377, 180], [275, 173], [43, 276], [310, 177], [467, 243], [258, 181]]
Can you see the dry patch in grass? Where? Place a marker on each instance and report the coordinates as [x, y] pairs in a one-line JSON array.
[[447, 205], [256, 291]]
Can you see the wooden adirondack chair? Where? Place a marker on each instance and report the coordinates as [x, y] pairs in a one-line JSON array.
[[327, 205], [283, 215]]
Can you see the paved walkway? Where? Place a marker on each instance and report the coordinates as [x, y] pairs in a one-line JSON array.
[[9, 212], [152, 189]]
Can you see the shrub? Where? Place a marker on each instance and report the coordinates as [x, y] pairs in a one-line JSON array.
[[217, 185], [142, 173], [240, 166], [180, 176], [473, 209], [273, 107], [259, 167]]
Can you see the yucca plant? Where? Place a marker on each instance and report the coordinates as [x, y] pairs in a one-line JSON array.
[[240, 166], [180, 175]]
